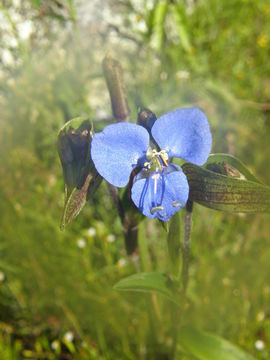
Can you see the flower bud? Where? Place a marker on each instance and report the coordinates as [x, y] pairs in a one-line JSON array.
[[146, 118], [80, 176]]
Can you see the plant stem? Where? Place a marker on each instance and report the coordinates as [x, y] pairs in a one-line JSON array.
[[112, 71], [176, 312], [186, 245], [113, 74]]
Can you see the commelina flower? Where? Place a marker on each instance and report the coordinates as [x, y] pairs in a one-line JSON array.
[[160, 188]]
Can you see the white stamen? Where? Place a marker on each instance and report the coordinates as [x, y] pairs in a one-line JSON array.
[[177, 203], [155, 157], [156, 209]]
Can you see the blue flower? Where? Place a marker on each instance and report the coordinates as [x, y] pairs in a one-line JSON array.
[[160, 188]]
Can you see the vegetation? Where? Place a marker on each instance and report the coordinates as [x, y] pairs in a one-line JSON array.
[[57, 299]]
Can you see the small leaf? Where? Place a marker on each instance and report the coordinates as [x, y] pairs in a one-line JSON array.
[[76, 200], [148, 282], [221, 160], [174, 243], [226, 193], [205, 346]]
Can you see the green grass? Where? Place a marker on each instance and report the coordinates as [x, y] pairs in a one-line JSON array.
[[51, 285]]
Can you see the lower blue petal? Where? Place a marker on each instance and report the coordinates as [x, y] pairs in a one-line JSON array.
[[161, 194], [117, 150]]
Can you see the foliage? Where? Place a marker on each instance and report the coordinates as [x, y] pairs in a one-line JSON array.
[[206, 53]]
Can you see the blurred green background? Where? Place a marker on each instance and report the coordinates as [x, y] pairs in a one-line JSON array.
[[56, 296]]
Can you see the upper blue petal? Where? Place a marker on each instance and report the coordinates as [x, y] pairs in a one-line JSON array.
[[117, 149], [184, 133], [161, 194]]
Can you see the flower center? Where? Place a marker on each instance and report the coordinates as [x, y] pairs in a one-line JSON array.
[[156, 159]]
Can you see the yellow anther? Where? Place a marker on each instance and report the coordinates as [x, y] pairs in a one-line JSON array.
[[164, 158], [164, 154]]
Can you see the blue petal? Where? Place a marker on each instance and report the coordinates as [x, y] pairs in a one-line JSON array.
[[117, 150], [184, 133], [161, 194]]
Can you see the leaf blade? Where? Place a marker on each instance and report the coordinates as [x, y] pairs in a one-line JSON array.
[[225, 193], [148, 282], [207, 346]]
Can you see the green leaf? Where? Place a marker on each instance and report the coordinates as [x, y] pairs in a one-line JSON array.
[[80, 176], [148, 282], [222, 160], [179, 15], [226, 193], [205, 346], [158, 24], [174, 243]]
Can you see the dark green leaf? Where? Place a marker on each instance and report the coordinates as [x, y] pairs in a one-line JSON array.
[[148, 282], [205, 346], [226, 193]]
